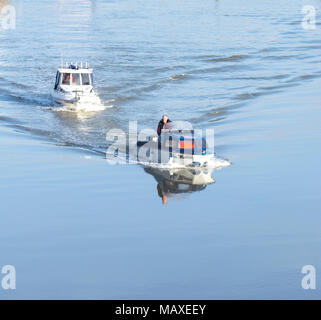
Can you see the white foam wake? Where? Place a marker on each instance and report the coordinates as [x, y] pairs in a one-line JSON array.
[[85, 106], [214, 163]]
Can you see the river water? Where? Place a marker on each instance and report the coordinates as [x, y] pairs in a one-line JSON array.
[[248, 70]]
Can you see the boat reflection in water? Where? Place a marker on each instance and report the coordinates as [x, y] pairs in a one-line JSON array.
[[179, 182]]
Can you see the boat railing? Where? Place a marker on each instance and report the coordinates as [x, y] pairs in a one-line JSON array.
[[74, 65]]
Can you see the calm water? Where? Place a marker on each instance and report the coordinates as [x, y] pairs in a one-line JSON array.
[[247, 69]]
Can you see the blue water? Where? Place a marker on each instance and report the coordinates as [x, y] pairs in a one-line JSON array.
[[76, 227]]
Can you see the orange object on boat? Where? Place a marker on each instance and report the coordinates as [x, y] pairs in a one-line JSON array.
[[189, 144]]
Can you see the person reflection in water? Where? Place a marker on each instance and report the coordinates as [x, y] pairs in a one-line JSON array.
[[162, 123], [162, 194]]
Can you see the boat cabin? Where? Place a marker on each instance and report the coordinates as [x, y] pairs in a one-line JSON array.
[[73, 75]]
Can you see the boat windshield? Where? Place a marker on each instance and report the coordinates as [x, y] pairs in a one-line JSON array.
[[85, 79], [66, 79], [75, 79], [178, 126]]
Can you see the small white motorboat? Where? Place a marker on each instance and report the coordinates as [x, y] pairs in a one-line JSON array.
[[178, 144], [74, 86]]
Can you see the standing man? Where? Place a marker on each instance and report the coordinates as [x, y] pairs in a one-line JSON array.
[[162, 123]]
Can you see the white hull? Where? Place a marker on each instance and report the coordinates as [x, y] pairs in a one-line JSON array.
[[176, 159], [76, 101], [191, 160]]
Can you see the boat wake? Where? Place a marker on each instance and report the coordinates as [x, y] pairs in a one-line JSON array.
[[215, 163], [79, 107]]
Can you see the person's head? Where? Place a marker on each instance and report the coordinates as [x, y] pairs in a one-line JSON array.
[[165, 118]]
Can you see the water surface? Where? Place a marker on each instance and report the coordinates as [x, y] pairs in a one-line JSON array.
[[85, 229]]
